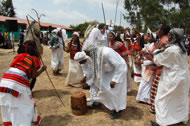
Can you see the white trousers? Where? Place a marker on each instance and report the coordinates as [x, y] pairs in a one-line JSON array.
[[19, 116]]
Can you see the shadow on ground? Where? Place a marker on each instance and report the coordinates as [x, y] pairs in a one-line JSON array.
[[132, 113], [132, 93], [39, 94], [53, 120]]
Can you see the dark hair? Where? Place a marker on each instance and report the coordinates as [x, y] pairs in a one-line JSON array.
[[78, 44], [142, 41], [118, 39], [112, 34], [28, 47], [165, 29]]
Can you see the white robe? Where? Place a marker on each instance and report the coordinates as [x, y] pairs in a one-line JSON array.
[[172, 103], [87, 70], [144, 91], [57, 59], [114, 69]]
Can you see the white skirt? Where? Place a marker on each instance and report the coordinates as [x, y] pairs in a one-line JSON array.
[[20, 116], [144, 91], [75, 73]]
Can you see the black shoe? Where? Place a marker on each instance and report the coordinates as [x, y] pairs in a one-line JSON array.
[[94, 105], [115, 115], [58, 73], [154, 123], [54, 73], [85, 86]]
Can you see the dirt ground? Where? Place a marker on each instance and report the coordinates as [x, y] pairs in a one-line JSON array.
[[53, 113]]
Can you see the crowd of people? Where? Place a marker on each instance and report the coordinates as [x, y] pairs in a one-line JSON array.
[[106, 63]]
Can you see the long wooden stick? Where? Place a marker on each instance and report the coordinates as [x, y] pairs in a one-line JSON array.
[[43, 62]]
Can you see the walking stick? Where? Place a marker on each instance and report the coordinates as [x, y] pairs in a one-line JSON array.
[[43, 62]]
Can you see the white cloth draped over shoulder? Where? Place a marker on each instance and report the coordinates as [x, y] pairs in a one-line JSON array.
[[64, 35], [94, 37], [113, 68], [172, 103]]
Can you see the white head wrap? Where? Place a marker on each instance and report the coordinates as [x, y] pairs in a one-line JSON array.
[[113, 33], [76, 33], [79, 56]]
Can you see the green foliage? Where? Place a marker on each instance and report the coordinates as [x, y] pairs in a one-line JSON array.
[[7, 8], [152, 13], [81, 28]]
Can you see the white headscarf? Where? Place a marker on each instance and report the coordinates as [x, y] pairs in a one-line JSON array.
[[178, 37], [76, 33]]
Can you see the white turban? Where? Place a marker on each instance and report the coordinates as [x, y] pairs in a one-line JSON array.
[[76, 33], [79, 56]]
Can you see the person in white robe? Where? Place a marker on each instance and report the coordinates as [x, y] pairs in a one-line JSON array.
[[86, 64], [109, 76], [172, 103], [148, 69], [56, 44]]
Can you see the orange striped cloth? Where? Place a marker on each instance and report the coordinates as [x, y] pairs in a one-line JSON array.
[[26, 62]]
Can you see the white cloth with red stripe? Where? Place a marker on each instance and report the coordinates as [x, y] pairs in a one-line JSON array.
[[19, 111], [172, 103], [137, 73]]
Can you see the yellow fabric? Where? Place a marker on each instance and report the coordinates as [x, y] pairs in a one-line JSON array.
[[6, 35]]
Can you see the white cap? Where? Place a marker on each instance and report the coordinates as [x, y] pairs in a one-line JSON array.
[[79, 56], [76, 33]]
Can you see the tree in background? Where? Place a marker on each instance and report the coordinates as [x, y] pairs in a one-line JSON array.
[[80, 28], [7, 8], [152, 13]]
